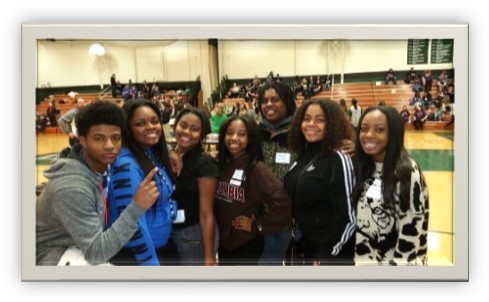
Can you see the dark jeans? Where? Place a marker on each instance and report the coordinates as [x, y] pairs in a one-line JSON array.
[[275, 247]]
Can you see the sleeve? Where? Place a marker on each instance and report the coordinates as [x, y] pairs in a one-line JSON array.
[[74, 206], [343, 221], [270, 190], [125, 180], [65, 120], [412, 243], [207, 167]]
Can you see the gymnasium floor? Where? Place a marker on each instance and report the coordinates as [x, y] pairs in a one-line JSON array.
[[433, 150]]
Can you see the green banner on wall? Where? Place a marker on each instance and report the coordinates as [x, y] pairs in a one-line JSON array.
[[441, 51], [417, 51]]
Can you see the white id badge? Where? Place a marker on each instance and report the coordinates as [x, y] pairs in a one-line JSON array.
[[238, 174], [282, 158], [235, 182], [180, 216], [375, 190]]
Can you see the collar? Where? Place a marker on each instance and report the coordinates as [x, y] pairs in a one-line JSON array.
[[266, 125], [192, 152]]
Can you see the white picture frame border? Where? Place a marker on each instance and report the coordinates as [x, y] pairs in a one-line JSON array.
[[459, 32]]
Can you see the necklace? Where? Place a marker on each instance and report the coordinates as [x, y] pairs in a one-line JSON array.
[[171, 188]]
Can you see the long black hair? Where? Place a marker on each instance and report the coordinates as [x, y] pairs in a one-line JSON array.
[[252, 149], [160, 150], [397, 166]]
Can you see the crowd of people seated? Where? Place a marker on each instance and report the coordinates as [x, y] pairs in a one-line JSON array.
[[144, 90], [307, 87], [426, 106], [312, 86], [303, 89]]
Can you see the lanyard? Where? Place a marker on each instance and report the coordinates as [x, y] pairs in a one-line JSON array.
[[171, 189]]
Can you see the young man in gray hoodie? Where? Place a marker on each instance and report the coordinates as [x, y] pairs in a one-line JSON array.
[[71, 211]]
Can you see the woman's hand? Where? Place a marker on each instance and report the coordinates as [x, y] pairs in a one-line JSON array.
[[213, 154], [175, 162], [243, 223], [347, 147]]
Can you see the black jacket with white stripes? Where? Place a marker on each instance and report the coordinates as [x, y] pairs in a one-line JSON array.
[[322, 205]]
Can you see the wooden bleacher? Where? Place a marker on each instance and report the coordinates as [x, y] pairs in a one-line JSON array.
[[367, 94], [68, 105], [88, 97], [371, 93]]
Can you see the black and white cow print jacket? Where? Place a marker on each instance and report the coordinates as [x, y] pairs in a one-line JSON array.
[[388, 237]]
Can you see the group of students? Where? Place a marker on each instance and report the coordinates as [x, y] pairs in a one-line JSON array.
[[122, 198]]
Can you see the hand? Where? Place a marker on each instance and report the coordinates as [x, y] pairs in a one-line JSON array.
[[176, 162], [243, 223], [347, 147], [147, 192], [213, 154]]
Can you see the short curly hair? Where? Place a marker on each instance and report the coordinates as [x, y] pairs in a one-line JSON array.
[[98, 113]]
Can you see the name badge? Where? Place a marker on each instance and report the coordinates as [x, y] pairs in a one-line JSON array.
[[282, 158], [375, 190], [238, 174], [180, 216], [235, 182]]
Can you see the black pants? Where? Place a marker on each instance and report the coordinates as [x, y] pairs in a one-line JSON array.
[[312, 251], [247, 254], [418, 125], [167, 255]]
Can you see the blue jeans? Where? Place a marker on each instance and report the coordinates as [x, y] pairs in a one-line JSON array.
[[275, 247], [189, 244]]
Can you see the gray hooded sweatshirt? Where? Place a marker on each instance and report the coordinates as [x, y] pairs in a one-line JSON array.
[[70, 212]]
